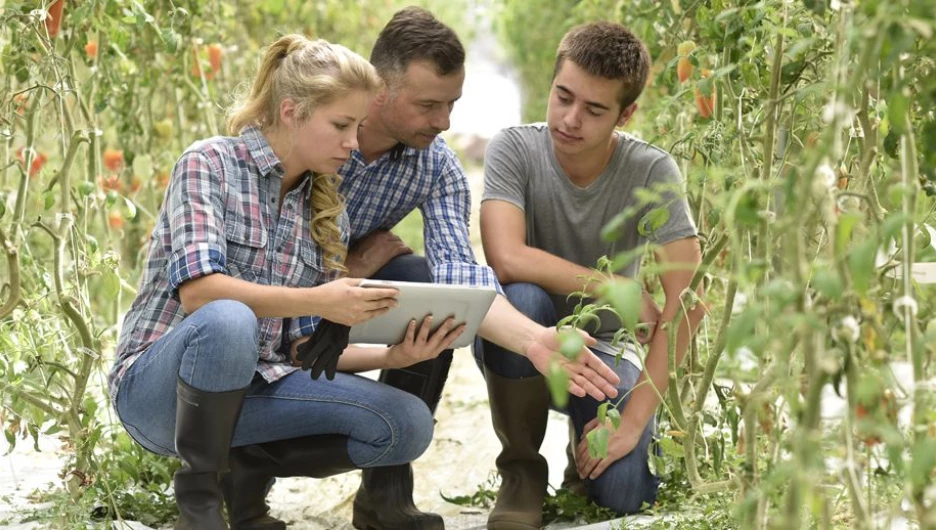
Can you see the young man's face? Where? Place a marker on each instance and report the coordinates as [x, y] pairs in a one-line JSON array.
[[583, 110], [419, 107]]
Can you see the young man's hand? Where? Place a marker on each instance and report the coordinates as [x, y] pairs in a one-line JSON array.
[[371, 253], [620, 443], [587, 374]]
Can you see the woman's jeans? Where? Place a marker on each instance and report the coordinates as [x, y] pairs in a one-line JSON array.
[[627, 483], [215, 349]]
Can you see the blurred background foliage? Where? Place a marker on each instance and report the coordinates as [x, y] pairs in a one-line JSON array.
[[805, 131]]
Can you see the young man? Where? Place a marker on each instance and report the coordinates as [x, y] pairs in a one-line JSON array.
[[401, 165], [549, 190]]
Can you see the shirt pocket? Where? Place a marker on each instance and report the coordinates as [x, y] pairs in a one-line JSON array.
[[309, 270], [246, 248]]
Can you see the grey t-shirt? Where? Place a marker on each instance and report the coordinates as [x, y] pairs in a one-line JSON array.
[[565, 220]]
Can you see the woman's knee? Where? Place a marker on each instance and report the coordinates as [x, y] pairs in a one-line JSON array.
[[415, 428], [224, 349], [409, 429]]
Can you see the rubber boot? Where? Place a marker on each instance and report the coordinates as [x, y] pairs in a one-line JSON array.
[[204, 425], [385, 502], [385, 499], [519, 409], [253, 466], [571, 481]]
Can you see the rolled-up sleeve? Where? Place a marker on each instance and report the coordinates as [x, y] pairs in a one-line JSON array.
[[447, 239], [300, 327], [196, 220]]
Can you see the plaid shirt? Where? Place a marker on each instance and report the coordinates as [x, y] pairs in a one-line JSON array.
[[220, 215], [380, 194]]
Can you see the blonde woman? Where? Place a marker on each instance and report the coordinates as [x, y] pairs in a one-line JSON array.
[[250, 242]]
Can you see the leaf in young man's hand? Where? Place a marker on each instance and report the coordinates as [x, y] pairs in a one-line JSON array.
[[558, 381], [615, 416], [603, 412], [570, 344], [598, 442]]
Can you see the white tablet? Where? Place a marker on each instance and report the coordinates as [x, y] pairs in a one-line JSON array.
[[467, 304]]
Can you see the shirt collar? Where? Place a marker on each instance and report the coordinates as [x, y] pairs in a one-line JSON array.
[[261, 152]]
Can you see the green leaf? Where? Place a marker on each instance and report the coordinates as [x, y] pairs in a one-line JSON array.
[[110, 285], [828, 284], [571, 344], [740, 329], [615, 416], [843, 232], [924, 462], [597, 442], [48, 200], [558, 381], [130, 211], [653, 221], [671, 448], [898, 105], [602, 412], [625, 296], [861, 265]]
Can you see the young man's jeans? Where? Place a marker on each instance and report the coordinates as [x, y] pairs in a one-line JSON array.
[[215, 350], [628, 482]]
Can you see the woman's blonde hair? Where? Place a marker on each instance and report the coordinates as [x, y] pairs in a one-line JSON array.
[[312, 73]]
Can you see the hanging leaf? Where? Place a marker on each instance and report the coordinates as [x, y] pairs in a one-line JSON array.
[[558, 381], [625, 296]]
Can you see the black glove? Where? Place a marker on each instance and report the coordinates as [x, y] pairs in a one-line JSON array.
[[320, 353]]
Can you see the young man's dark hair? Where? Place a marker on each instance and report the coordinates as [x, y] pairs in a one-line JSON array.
[[605, 49], [414, 34]]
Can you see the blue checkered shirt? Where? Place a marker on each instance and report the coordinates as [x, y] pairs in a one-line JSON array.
[[380, 194]]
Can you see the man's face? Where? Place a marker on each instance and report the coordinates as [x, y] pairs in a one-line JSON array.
[[418, 107], [583, 110]]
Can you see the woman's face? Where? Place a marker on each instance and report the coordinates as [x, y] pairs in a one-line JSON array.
[[324, 141]]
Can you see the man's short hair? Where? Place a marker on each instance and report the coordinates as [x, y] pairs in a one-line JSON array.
[[608, 50], [414, 34]]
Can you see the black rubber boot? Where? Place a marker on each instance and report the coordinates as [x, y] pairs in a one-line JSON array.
[[253, 466], [204, 425], [385, 499], [385, 502]]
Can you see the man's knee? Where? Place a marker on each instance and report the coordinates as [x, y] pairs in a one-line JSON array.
[[533, 301], [405, 268]]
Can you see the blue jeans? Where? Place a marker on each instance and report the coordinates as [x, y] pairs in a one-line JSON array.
[[628, 482], [215, 349]]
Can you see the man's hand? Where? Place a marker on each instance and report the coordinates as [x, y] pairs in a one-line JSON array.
[[343, 301], [587, 374], [620, 443], [369, 254], [419, 345]]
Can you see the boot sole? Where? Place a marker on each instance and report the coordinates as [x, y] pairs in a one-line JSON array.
[[365, 522]]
